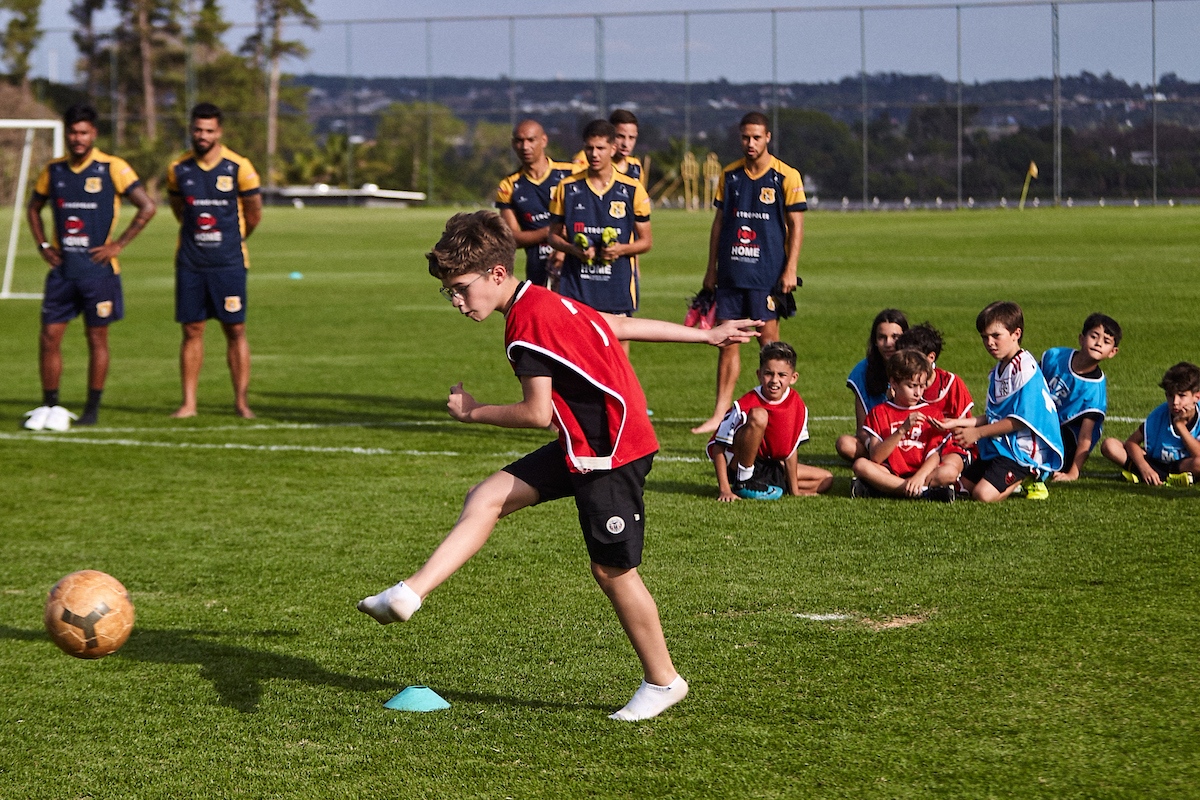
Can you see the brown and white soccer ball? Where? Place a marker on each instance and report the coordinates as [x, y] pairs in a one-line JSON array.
[[89, 614]]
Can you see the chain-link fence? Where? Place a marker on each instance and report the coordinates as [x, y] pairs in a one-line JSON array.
[[872, 137]]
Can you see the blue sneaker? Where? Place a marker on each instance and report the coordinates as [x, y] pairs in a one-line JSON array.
[[757, 490]]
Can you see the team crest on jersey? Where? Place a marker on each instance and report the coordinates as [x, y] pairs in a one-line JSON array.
[[233, 304], [224, 183], [766, 195], [104, 309], [91, 185], [616, 209]]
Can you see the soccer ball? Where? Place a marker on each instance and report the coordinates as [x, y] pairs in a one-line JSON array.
[[89, 614]]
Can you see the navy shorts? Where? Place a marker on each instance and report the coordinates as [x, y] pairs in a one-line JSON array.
[[612, 512], [1001, 472], [745, 304], [98, 298], [201, 294]]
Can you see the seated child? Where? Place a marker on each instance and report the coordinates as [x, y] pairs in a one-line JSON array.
[[754, 448], [947, 392], [868, 379], [1165, 446], [1080, 390], [907, 458], [1018, 438]]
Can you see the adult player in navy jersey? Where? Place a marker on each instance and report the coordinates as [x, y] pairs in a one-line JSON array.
[[215, 196], [524, 201], [573, 375], [84, 190], [584, 209], [753, 247]]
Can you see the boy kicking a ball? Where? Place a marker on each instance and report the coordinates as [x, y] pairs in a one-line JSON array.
[[574, 374]]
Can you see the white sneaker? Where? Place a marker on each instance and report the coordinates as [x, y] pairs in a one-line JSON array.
[[37, 418], [59, 419]]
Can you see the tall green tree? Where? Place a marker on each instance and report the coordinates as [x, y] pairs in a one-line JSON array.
[[20, 39], [268, 48]]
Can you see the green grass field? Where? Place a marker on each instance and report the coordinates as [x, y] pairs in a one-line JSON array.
[[1022, 650]]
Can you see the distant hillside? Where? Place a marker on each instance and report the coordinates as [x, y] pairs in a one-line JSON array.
[[1089, 101]]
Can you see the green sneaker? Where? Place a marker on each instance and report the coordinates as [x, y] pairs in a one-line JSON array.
[[1179, 480], [1132, 477], [1035, 490]]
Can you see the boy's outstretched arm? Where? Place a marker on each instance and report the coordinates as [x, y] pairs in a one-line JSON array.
[[1083, 446], [535, 410], [635, 329]]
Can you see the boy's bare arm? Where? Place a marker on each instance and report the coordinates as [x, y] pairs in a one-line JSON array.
[[535, 410], [1133, 449], [1185, 434], [714, 244], [640, 329], [969, 435], [721, 464], [1087, 430], [879, 450], [791, 467]]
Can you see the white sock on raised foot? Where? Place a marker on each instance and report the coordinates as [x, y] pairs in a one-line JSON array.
[[395, 604], [651, 700]]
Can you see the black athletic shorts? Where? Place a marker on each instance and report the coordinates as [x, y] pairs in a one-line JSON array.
[[768, 470], [1163, 468], [1001, 472], [612, 513]]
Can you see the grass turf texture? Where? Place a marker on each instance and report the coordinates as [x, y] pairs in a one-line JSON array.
[[1053, 646]]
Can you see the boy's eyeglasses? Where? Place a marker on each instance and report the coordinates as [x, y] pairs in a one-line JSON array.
[[451, 293]]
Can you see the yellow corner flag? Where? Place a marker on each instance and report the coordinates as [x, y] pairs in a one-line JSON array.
[[1030, 174]]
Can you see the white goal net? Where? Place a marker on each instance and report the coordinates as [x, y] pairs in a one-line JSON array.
[[31, 127]]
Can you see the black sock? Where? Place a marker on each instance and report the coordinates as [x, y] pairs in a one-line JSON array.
[[50, 397], [93, 401]]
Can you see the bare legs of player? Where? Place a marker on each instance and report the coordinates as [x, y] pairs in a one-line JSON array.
[[50, 355], [191, 359], [97, 339], [498, 496], [729, 366]]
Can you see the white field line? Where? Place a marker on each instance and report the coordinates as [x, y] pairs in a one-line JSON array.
[[312, 426], [58, 438]]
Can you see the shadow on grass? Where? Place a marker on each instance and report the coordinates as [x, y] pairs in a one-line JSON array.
[[237, 672], [296, 406]]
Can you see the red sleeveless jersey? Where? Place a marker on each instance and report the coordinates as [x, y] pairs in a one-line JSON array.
[[787, 424], [949, 395], [577, 337]]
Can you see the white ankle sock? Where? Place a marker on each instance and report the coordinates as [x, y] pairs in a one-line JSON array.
[[745, 473], [651, 700], [397, 603]]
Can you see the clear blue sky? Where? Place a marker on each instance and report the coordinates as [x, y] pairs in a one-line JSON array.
[[1008, 42]]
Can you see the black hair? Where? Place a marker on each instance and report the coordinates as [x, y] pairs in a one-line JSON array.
[[622, 117], [1183, 377], [777, 351], [1104, 321], [923, 338], [81, 112], [207, 111], [876, 370], [599, 127]]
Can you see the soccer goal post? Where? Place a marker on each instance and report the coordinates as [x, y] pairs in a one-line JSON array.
[[30, 126]]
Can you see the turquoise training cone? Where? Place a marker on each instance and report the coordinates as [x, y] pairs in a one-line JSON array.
[[417, 698]]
